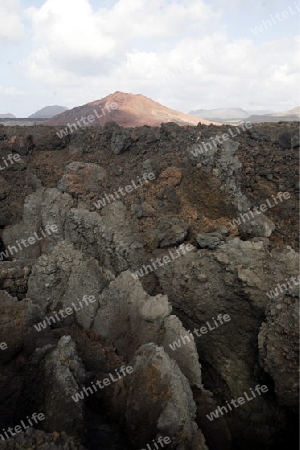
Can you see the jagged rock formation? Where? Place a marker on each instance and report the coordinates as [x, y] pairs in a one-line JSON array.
[[98, 260], [14, 277], [44, 441]]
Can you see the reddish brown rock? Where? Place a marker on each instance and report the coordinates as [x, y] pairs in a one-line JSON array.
[[128, 110]]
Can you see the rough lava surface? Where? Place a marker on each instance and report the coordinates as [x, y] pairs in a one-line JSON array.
[[104, 252]]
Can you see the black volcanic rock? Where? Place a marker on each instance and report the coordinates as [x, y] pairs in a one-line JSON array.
[[145, 295]]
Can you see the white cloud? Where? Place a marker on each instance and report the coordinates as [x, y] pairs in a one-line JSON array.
[[258, 6], [11, 27], [175, 52], [89, 42], [10, 90]]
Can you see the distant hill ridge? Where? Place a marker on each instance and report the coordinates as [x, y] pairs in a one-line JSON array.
[[130, 110], [231, 114], [48, 112], [292, 115], [7, 116], [223, 113]]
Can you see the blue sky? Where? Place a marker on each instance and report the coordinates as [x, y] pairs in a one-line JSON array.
[[186, 54]]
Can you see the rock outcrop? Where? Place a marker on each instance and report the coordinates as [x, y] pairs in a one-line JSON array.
[[102, 292]]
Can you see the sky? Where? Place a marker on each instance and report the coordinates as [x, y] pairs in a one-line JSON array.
[[185, 54]]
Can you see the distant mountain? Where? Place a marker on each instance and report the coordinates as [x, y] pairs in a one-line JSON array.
[[48, 112], [290, 112], [260, 112], [7, 116], [128, 110], [255, 116], [221, 114], [292, 115]]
